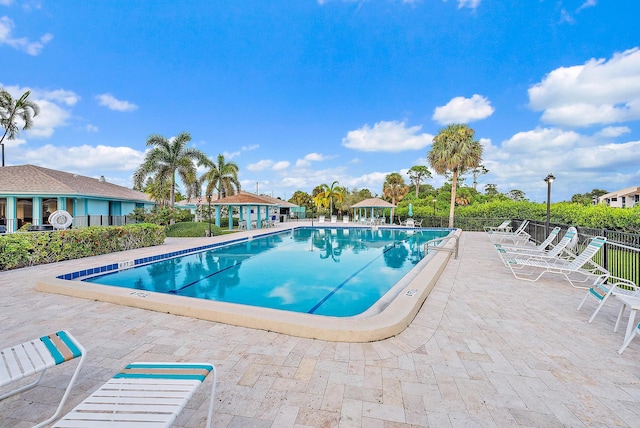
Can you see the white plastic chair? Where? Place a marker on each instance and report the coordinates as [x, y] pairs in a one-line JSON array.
[[143, 394], [34, 358]]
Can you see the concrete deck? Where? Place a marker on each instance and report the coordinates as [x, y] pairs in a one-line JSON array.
[[485, 350]]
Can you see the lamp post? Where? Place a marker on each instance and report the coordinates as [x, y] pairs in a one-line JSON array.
[[209, 202], [434, 206], [548, 179]]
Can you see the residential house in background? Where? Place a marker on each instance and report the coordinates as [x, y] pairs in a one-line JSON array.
[[625, 198], [29, 194]]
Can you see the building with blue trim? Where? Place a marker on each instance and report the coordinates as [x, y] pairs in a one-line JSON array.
[[29, 194]]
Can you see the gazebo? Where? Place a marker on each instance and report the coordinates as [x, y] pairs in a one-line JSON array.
[[372, 204], [253, 209]]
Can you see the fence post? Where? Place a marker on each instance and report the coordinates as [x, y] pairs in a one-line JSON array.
[[605, 251]]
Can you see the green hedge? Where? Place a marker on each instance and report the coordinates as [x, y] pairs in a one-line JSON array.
[[33, 248]]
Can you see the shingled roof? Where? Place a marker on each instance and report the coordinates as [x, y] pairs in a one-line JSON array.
[[39, 181], [244, 198]]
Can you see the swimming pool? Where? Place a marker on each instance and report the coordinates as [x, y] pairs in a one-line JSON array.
[[338, 272], [394, 312]]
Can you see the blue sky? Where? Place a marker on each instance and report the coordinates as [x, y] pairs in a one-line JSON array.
[[304, 92]]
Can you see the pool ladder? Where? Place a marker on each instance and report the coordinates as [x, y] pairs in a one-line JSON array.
[[433, 244]]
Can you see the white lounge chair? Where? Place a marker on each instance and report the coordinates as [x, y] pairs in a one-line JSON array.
[[34, 358], [345, 219], [568, 241], [519, 236], [321, 219], [542, 247], [604, 287], [503, 227], [334, 219], [143, 394], [579, 269]]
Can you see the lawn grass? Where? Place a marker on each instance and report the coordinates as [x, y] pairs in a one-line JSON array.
[[190, 229]]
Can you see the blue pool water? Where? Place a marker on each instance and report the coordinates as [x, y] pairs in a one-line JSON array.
[[336, 272]]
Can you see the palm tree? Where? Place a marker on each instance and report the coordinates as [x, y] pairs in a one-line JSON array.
[[159, 191], [168, 158], [394, 188], [477, 172], [11, 110], [416, 173], [327, 194], [454, 150], [223, 177]]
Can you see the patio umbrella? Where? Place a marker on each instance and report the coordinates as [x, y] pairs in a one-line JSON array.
[[410, 210]]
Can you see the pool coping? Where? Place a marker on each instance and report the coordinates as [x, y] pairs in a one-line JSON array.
[[393, 319]]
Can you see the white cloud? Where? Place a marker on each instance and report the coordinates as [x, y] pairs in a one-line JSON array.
[[541, 140], [280, 165], [387, 137], [613, 131], [315, 157], [471, 4], [51, 116], [607, 156], [587, 4], [92, 159], [231, 155], [566, 17], [580, 162], [598, 92], [112, 103], [53, 108], [311, 157], [260, 165], [463, 110], [91, 128], [22, 43], [60, 96]]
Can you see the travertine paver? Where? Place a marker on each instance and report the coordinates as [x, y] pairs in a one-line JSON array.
[[485, 350]]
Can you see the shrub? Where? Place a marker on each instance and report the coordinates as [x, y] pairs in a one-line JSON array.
[[33, 248]]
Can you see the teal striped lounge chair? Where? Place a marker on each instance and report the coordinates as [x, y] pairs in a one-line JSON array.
[[542, 247], [34, 357], [606, 286], [145, 394], [569, 240], [579, 269]]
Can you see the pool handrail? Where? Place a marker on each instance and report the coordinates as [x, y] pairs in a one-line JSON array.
[[436, 241]]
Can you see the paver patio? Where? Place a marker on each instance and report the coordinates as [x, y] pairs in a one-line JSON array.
[[486, 350]]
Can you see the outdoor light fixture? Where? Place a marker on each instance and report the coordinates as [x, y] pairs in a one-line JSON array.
[[434, 206], [548, 179], [209, 202]]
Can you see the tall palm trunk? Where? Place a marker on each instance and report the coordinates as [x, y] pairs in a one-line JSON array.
[[454, 185]]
